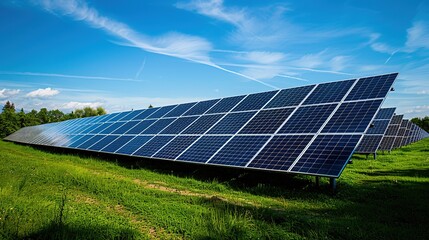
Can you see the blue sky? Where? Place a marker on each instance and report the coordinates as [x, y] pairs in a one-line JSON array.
[[69, 54]]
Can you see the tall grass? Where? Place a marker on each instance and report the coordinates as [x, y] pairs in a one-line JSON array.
[[50, 195]]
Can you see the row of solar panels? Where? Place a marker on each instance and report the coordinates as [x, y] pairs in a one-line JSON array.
[[309, 130], [389, 131]]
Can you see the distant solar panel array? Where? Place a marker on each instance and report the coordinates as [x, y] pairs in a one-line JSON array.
[[407, 133], [373, 137], [306, 130]]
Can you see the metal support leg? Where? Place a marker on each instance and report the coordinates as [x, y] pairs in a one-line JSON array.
[[375, 156], [333, 184], [317, 181]]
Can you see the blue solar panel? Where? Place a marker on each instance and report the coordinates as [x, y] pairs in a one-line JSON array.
[[145, 114], [87, 129], [88, 143], [202, 124], [204, 148], [134, 144], [254, 101], [369, 144], [118, 116], [329, 92], [327, 155], [239, 150], [70, 140], [372, 87], [175, 147], [100, 128], [267, 121], [201, 107], [387, 143], [385, 113], [308, 119], [392, 130], [281, 152], [161, 112], [79, 140], [124, 128], [177, 126], [352, 117], [231, 123], [152, 146], [158, 126], [289, 97], [132, 115], [378, 127], [115, 144], [180, 109], [141, 126], [112, 128], [397, 119], [225, 104], [103, 143]]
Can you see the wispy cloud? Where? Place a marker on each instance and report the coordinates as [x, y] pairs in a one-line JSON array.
[[418, 36], [188, 47], [43, 93], [5, 93], [59, 75]]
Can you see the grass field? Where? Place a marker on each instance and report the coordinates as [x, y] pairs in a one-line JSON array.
[[52, 195]]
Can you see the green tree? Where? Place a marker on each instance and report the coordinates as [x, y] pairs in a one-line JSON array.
[[150, 106], [422, 122], [100, 111], [8, 120]]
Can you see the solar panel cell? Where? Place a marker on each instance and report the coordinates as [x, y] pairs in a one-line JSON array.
[[225, 104], [201, 107], [180, 109], [115, 144], [161, 112], [327, 155], [231, 123], [329, 92], [178, 125], [152, 146], [103, 143], [369, 144], [372, 87], [308, 119], [141, 126], [239, 150], [175, 147], [378, 127], [281, 152], [352, 117], [290, 97], [133, 145], [204, 148], [158, 126], [254, 101], [202, 124], [267, 121]]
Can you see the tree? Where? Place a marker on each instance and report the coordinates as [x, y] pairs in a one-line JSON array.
[[150, 106], [100, 111], [8, 120], [422, 122]]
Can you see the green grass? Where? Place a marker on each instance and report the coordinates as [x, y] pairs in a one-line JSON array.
[[51, 195]]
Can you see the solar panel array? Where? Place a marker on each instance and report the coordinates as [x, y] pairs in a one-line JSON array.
[[373, 136], [392, 131], [308, 130]]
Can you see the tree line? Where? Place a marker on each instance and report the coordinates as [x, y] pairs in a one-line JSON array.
[[12, 120]]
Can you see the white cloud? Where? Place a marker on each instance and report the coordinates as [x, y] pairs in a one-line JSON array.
[[263, 57], [58, 75], [382, 48], [339, 63], [80, 105], [5, 93], [42, 93], [418, 36], [310, 60]]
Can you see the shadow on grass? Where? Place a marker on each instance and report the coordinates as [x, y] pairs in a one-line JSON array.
[[55, 231], [424, 173], [258, 182]]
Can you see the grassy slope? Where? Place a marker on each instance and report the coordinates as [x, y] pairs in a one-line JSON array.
[[59, 196]]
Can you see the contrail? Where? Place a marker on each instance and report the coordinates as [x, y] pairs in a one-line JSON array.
[[67, 76]]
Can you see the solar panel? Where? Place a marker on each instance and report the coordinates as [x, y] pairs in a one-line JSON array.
[[309, 130], [373, 137], [388, 142]]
